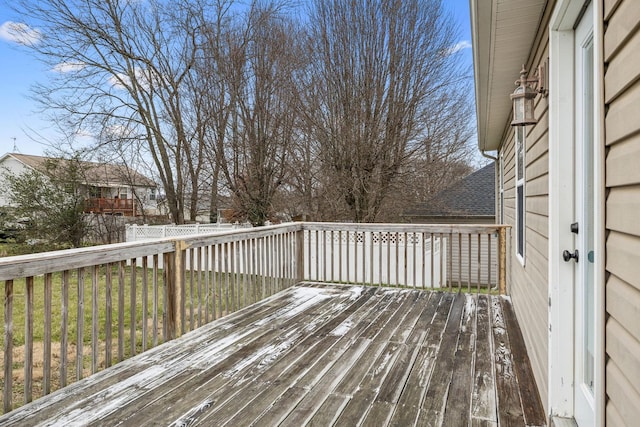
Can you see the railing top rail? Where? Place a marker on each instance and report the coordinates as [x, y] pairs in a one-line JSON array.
[[46, 262], [41, 263]]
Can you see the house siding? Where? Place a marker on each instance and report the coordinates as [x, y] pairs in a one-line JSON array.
[[528, 283], [9, 166], [622, 181]]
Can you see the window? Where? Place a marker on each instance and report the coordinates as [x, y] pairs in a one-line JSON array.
[[520, 193], [501, 187], [123, 193], [152, 194]]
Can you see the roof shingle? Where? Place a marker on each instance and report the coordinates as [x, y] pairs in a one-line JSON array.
[[472, 196], [97, 174]]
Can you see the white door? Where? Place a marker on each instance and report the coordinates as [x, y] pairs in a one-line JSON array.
[[584, 255]]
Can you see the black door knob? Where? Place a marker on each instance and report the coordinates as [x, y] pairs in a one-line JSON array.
[[566, 255]]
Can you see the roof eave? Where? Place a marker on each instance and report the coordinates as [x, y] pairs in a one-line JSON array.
[[503, 33]]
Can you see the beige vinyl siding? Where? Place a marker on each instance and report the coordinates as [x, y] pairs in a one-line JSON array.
[[622, 180], [528, 284]]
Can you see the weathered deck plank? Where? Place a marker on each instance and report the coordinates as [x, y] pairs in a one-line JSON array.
[[221, 383], [522, 368], [432, 408], [509, 404], [457, 411], [214, 384], [411, 399], [319, 355], [483, 396]]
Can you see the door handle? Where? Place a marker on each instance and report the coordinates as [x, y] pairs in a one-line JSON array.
[[566, 255]]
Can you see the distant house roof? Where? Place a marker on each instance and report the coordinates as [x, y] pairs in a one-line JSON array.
[[473, 197], [97, 174]]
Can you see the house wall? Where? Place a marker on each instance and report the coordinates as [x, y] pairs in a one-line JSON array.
[[622, 180], [528, 281], [11, 166]]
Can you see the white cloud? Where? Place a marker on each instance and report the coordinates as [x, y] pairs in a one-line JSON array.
[[117, 81], [118, 131], [18, 32], [68, 67], [464, 44], [141, 76]]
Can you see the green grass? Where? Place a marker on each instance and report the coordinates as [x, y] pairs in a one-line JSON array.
[[13, 248], [79, 282], [228, 295]]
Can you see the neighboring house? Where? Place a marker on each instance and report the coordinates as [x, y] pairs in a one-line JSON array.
[[569, 185], [110, 188], [468, 201]]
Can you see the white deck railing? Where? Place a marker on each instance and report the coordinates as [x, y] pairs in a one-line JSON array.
[[92, 307]]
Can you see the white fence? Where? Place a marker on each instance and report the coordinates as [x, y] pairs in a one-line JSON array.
[[376, 257], [136, 233]]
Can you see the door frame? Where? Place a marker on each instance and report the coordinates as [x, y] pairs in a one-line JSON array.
[[561, 208]]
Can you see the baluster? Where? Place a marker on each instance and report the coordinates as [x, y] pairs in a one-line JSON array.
[[145, 301], [64, 328], [80, 323], [46, 371], [28, 341], [8, 346], [108, 313], [133, 306], [95, 316]]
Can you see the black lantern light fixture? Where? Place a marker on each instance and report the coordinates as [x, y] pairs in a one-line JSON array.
[[524, 96]]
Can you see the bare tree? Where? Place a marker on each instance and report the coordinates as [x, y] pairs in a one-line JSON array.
[[257, 107], [377, 67], [325, 116], [123, 63]]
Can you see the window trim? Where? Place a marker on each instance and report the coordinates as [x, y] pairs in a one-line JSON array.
[[521, 194], [501, 188]]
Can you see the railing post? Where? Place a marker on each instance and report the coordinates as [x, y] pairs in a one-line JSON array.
[[174, 291], [299, 255], [502, 260]]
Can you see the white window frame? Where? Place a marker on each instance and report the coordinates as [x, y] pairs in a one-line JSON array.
[[501, 187], [521, 197]]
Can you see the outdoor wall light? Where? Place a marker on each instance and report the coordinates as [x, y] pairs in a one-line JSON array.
[[524, 96]]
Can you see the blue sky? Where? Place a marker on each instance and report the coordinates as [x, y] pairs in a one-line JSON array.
[[19, 71]]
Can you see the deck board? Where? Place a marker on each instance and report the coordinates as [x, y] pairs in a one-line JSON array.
[[319, 355]]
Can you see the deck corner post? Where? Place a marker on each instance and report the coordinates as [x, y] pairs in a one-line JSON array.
[[502, 260]]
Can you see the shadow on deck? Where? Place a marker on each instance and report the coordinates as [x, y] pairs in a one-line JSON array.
[[320, 354]]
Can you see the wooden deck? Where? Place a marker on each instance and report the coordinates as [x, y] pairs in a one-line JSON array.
[[319, 354]]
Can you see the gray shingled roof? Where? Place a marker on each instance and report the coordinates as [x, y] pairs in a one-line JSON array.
[[98, 174], [472, 196]]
